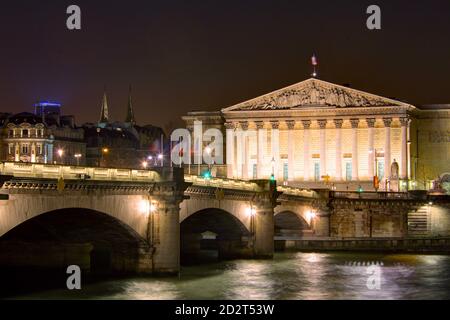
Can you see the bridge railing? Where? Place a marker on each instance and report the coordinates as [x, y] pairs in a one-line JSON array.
[[376, 195], [52, 171], [222, 183], [299, 192]]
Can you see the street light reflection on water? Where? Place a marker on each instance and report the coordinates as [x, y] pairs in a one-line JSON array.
[[287, 276]]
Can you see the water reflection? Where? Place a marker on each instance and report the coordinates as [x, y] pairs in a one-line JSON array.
[[288, 276]]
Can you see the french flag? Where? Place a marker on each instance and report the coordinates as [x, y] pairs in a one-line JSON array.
[[314, 60]]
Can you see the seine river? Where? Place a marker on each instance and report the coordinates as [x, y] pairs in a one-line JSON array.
[[287, 276]]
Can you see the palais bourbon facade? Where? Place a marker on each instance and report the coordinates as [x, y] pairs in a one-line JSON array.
[[316, 133]]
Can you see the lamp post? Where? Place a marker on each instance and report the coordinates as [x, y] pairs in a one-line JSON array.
[[60, 154], [375, 176], [104, 151], [208, 151], [150, 158], [161, 159], [273, 168], [78, 156]]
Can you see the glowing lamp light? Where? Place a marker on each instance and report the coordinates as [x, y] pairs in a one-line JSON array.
[[207, 175], [250, 211], [310, 215], [150, 158], [430, 203], [105, 150], [160, 156], [60, 152], [144, 164], [143, 206]]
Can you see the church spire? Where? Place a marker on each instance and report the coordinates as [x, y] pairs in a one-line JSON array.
[[130, 113], [104, 116]]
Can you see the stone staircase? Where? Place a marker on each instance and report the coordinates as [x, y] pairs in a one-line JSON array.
[[418, 224]]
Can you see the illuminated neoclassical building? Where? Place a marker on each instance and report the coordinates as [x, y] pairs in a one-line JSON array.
[[319, 132]]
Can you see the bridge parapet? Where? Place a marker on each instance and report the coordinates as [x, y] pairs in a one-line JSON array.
[[224, 183], [52, 171], [298, 192]]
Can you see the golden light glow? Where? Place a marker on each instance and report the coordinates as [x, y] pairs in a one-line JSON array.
[[250, 211], [310, 215], [145, 207]]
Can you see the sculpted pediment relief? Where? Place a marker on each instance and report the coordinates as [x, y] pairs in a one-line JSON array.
[[314, 93]]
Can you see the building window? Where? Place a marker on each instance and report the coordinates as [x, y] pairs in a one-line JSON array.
[[285, 171], [255, 171], [25, 148], [11, 148], [348, 171], [316, 171], [41, 132], [11, 133], [25, 133], [39, 149]]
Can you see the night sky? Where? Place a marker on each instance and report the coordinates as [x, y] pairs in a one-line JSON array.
[[181, 56]]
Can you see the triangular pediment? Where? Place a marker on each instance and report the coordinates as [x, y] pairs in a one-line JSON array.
[[314, 93]]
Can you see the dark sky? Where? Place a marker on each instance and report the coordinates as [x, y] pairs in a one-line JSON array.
[[204, 55]]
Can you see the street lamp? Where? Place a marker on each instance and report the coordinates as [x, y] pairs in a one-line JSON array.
[[209, 151], [160, 158], [272, 177], [104, 151], [145, 164], [60, 154], [78, 156]]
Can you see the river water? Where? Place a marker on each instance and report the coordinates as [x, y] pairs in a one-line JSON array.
[[287, 276]]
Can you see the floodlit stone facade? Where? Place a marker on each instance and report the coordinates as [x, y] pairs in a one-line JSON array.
[[315, 132]]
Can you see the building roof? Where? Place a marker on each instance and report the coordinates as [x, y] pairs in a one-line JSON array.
[[314, 93], [25, 117]]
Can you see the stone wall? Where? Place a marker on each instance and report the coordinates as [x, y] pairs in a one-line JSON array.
[[355, 219]]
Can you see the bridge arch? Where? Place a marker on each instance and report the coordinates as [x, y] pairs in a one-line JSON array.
[[294, 220], [93, 240], [213, 230], [21, 207]]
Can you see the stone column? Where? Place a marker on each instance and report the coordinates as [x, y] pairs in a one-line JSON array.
[[338, 125], [260, 148], [244, 126], [355, 123], [264, 227], [404, 148], [387, 147], [323, 147], [165, 237], [275, 146], [306, 155], [230, 149], [239, 152], [371, 149], [291, 145]]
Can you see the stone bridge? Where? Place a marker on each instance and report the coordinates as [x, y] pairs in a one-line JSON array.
[[128, 220]]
